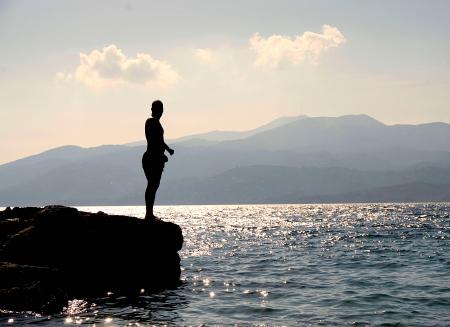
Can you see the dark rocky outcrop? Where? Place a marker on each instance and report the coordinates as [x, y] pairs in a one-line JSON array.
[[51, 254]]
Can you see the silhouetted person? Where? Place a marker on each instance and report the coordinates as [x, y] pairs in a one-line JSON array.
[[154, 158]]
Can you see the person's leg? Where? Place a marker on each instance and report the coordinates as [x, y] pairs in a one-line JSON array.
[[148, 201], [148, 197], [150, 193]]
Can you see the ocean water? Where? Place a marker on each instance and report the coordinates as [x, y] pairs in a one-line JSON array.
[[286, 265]]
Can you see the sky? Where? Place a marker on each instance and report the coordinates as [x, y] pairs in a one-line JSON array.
[[85, 72]]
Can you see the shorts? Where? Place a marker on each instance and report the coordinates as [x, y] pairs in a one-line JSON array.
[[153, 167]]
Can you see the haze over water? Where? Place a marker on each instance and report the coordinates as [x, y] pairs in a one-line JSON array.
[[366, 264]]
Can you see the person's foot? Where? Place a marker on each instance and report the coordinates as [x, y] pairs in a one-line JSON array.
[[152, 217]]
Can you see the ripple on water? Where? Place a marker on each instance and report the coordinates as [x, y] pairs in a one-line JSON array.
[[369, 264]]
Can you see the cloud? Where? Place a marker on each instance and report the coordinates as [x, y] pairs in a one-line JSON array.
[[204, 55], [278, 49], [64, 77], [110, 66]]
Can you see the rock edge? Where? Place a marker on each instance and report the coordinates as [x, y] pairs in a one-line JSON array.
[[52, 254]]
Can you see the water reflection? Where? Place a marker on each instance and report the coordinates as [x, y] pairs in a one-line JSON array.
[[292, 264], [143, 308]]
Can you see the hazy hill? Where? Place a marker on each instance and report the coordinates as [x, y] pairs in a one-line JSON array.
[[213, 137], [293, 159], [409, 192], [277, 184], [356, 133], [251, 184], [22, 170], [358, 142]]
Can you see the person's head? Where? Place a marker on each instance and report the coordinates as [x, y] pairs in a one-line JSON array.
[[157, 109]]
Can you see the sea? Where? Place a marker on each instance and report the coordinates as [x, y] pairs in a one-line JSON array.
[[288, 265]]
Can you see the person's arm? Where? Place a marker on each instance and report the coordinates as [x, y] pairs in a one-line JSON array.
[[147, 130], [166, 147]]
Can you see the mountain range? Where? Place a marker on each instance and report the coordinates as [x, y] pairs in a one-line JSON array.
[[299, 159]]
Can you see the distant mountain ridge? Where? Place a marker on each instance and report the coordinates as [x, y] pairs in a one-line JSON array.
[[219, 136], [292, 159], [350, 133]]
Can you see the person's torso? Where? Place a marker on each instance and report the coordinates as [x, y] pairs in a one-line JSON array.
[[154, 134]]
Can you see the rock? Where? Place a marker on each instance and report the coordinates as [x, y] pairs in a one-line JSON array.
[[25, 213], [30, 288], [58, 252]]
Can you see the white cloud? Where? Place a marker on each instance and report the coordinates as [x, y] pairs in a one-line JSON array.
[[278, 49], [204, 55], [110, 66], [64, 77]]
